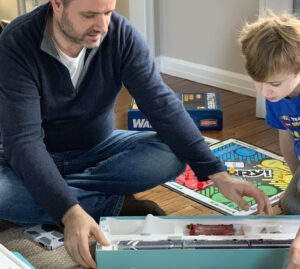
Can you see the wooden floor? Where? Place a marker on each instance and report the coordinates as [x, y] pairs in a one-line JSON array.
[[239, 121]]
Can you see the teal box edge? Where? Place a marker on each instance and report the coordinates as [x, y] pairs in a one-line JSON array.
[[18, 255], [267, 258]]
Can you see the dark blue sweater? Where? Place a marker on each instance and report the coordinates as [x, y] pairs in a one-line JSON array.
[[42, 112]]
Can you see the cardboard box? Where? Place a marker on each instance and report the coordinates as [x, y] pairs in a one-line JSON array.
[[13, 260], [203, 107], [164, 242]]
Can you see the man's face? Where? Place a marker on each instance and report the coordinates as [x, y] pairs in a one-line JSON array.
[[85, 22], [279, 86]]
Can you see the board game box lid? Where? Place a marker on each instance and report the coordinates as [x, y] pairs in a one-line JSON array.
[[13, 260]]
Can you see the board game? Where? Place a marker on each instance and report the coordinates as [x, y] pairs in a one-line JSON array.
[[203, 107], [264, 169]]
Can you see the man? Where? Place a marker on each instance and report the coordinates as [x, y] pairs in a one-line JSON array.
[[62, 67]]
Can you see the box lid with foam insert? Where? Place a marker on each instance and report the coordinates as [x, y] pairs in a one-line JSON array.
[[165, 242]]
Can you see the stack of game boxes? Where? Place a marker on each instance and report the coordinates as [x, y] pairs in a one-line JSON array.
[[203, 107]]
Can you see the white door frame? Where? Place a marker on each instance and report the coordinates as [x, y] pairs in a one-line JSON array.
[[21, 6], [141, 14]]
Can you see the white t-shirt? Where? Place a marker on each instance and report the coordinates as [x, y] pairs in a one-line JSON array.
[[75, 65]]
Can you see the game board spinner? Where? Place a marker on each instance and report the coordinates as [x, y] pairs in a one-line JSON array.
[[264, 169]]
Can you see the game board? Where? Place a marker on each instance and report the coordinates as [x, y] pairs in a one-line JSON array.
[[264, 169]]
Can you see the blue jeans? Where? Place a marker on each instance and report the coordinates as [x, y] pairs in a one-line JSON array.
[[127, 162]]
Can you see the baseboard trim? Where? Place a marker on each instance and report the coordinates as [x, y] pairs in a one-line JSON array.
[[219, 78]]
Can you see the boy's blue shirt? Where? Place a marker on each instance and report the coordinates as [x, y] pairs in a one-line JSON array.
[[285, 114], [42, 112]]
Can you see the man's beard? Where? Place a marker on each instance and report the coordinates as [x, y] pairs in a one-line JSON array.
[[66, 28]]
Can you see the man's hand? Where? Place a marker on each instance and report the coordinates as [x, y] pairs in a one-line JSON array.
[[234, 189], [295, 253], [79, 227]]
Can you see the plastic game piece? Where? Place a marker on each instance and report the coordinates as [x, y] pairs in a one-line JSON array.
[[211, 229], [189, 179], [201, 185], [231, 170], [282, 178], [192, 184]]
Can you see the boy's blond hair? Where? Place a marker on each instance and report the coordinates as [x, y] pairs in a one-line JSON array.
[[271, 46]]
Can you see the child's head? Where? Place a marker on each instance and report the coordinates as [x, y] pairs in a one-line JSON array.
[[271, 46]]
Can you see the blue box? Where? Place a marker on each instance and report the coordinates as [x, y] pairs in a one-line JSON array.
[[203, 107], [258, 229]]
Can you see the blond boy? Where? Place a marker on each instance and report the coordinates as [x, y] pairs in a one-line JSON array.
[[271, 47]]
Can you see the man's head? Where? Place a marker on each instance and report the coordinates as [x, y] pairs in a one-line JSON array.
[[83, 22], [271, 47], [66, 2]]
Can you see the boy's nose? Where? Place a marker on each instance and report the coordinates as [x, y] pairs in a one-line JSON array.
[[265, 90]]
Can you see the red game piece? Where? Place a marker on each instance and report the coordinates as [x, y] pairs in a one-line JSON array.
[[192, 184], [201, 185], [211, 229]]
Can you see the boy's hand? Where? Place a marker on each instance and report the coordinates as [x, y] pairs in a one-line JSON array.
[[234, 189], [79, 227], [295, 253]]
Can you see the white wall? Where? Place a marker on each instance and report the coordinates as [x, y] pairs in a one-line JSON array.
[[279, 6], [9, 9], [196, 39], [205, 32], [123, 7]]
